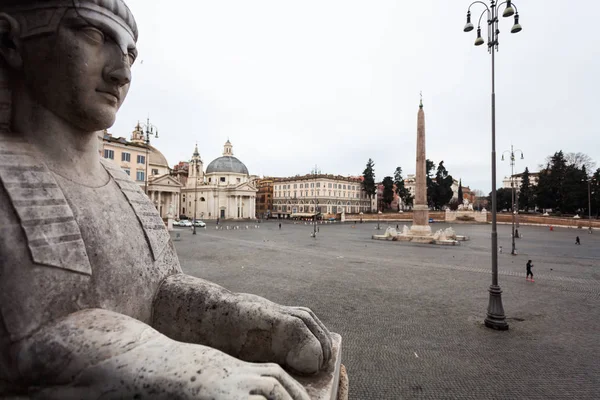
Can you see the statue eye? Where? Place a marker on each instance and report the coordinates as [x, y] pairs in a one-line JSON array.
[[94, 34], [131, 58]]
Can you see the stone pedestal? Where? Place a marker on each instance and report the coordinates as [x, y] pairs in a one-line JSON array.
[[332, 382]]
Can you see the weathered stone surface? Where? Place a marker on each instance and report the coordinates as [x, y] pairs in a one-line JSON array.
[[93, 302]]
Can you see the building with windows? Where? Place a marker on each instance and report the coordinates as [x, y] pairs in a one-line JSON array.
[[313, 194], [130, 156], [224, 191], [518, 180], [147, 166], [264, 197]]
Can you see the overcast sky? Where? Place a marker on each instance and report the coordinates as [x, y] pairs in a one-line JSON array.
[[332, 83]]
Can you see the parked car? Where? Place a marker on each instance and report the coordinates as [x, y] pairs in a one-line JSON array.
[[185, 222], [199, 223]]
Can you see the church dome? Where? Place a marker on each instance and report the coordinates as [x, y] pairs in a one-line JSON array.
[[227, 164], [157, 158]]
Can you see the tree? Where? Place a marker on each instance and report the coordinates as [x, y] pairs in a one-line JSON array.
[[443, 189], [401, 190], [595, 192], [368, 182], [526, 198], [544, 196], [551, 191], [503, 199], [460, 192], [580, 160], [575, 190], [479, 198], [388, 191], [431, 184], [562, 183]]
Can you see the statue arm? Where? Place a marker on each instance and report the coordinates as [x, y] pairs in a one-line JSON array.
[[248, 327], [97, 353]]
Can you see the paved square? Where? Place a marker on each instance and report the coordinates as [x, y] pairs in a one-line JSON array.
[[411, 316]]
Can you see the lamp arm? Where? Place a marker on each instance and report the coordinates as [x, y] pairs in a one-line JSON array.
[[481, 16], [480, 2]]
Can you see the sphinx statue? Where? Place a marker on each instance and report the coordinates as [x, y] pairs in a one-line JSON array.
[[93, 301]]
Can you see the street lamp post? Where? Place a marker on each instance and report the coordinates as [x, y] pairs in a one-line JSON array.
[[590, 204], [495, 318], [149, 130], [378, 214], [512, 187], [316, 172], [195, 196]]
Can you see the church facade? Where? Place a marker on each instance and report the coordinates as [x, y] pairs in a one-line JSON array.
[[223, 191]]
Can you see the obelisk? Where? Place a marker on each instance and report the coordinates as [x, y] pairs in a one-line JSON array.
[[420, 226]]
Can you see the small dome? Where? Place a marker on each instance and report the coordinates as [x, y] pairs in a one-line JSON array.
[[157, 158], [227, 164]]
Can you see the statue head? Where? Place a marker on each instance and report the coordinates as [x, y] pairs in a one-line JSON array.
[[70, 57]]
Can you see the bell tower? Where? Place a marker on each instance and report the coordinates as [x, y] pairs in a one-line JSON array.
[[228, 149], [196, 169]]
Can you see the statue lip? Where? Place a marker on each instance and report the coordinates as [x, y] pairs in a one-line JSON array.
[[115, 94]]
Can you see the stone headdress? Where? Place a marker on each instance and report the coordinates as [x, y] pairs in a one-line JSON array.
[[39, 17]]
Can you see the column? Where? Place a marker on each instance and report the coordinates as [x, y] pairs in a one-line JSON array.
[[159, 204]]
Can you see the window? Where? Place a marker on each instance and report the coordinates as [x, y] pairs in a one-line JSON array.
[[125, 157], [238, 180], [295, 186], [202, 199], [110, 154], [127, 171], [222, 179], [301, 186], [312, 185], [154, 171], [318, 184], [141, 159], [140, 176], [209, 180]]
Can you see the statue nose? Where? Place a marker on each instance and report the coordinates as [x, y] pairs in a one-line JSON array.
[[120, 76]]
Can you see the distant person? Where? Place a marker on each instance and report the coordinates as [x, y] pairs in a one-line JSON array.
[[577, 241], [500, 248], [517, 233], [280, 226], [217, 221], [529, 266]]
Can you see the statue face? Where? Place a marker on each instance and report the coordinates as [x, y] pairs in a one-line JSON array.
[[82, 72]]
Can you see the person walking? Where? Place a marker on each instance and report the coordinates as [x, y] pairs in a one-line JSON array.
[[529, 266], [280, 226], [577, 241]]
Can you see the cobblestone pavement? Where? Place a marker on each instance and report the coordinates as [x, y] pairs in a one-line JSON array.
[[411, 316]]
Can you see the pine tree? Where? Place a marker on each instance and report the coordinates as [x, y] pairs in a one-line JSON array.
[[595, 192], [444, 190], [460, 192], [368, 182], [525, 191], [431, 184], [401, 190], [388, 191]]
